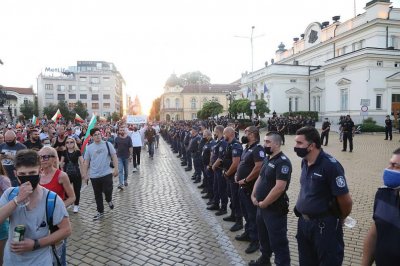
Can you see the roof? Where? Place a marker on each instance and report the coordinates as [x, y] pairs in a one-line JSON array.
[[28, 91], [210, 88]]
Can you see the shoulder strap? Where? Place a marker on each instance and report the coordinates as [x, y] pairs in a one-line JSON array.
[[50, 206], [109, 154], [13, 193]]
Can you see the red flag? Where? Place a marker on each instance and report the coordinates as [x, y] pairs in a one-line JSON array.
[[85, 142]]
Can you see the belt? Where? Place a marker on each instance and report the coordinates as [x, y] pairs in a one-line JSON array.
[[308, 217]]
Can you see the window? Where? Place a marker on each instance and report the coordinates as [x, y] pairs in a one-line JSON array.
[[106, 96], [314, 101], [72, 96], [26, 100], [95, 80], [290, 104], [106, 105], [396, 64], [362, 44], [48, 87], [82, 78], [344, 49], [395, 98], [95, 89], [379, 101], [95, 105], [72, 88], [193, 103], [95, 97], [177, 103], [354, 47], [344, 98], [318, 103], [49, 96], [61, 97], [167, 103], [293, 81], [60, 87], [83, 88], [71, 105], [379, 63], [194, 116], [106, 78], [83, 96], [296, 104]]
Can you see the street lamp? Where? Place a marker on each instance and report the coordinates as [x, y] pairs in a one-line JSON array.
[[230, 96]]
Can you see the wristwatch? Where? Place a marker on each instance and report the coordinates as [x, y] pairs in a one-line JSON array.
[[36, 245]]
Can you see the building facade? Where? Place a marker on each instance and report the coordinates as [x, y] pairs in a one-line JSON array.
[[97, 84], [336, 68], [183, 103], [14, 98]]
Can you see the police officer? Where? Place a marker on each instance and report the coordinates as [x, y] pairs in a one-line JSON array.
[[388, 127], [208, 174], [269, 195], [382, 243], [246, 175], [219, 186], [348, 129], [194, 148], [323, 202], [186, 142], [281, 126], [230, 164], [326, 127]]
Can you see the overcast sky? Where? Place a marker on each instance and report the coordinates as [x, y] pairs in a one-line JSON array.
[[149, 40]]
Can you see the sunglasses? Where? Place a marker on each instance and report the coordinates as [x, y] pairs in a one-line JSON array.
[[46, 157]]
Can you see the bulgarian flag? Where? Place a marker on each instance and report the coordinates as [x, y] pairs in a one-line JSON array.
[[35, 120], [91, 125], [78, 119], [57, 116]]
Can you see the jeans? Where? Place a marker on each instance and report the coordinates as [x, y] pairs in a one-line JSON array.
[[123, 170], [77, 184], [136, 156], [151, 148], [102, 185]]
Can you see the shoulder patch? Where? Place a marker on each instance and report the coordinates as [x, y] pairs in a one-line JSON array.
[[285, 169], [234, 152], [340, 181], [333, 160], [283, 157], [221, 148], [262, 155]]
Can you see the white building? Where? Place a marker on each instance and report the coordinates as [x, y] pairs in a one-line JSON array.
[[335, 69], [97, 84], [15, 97]]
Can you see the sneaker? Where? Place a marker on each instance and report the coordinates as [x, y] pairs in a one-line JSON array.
[[120, 187], [98, 216], [76, 208], [134, 170], [111, 205], [126, 183]]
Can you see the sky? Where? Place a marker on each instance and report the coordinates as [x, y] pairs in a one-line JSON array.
[[149, 40]]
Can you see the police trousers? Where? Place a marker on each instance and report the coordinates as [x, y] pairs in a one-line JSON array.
[[235, 203], [272, 234], [249, 213], [320, 241], [220, 193]]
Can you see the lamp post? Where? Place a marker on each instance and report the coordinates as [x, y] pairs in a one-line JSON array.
[[230, 97]]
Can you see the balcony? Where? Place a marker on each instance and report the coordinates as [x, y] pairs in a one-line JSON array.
[[172, 109]]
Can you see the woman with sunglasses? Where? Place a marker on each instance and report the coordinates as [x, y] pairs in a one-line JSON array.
[[71, 162], [52, 178]]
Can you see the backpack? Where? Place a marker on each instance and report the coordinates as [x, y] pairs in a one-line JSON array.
[[50, 206]]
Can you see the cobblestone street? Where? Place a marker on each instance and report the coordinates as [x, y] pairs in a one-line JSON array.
[[161, 219]]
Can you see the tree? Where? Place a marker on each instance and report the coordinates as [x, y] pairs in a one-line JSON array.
[[68, 116], [81, 110], [211, 109], [261, 108], [50, 110], [27, 109], [115, 116], [155, 110], [173, 81], [195, 77]]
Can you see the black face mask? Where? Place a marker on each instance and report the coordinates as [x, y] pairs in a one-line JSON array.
[[135, 129], [11, 143], [34, 179], [226, 139], [301, 152], [268, 150], [216, 137], [245, 139]]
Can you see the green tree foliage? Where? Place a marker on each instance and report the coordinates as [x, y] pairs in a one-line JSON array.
[[65, 112], [173, 81], [27, 109], [195, 77], [261, 108], [81, 110], [211, 109], [50, 110], [115, 116], [155, 109]]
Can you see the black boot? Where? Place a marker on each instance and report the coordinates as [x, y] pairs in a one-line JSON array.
[[221, 211], [243, 237], [261, 261], [236, 227], [213, 207], [253, 247]]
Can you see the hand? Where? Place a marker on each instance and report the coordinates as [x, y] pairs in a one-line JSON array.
[[262, 204], [254, 200], [241, 182], [25, 190], [115, 173], [23, 246]]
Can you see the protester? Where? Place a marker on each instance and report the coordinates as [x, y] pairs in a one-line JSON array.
[[5, 183]]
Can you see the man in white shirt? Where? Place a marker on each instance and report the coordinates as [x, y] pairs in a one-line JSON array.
[[136, 146]]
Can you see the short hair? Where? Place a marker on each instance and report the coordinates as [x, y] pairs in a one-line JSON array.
[[396, 151], [276, 138], [27, 157], [219, 128], [94, 130], [254, 130], [207, 133], [311, 134]]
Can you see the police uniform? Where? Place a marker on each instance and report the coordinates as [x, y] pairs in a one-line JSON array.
[[251, 154], [187, 152], [325, 132], [388, 128], [196, 155], [233, 149], [347, 126], [387, 222], [219, 186], [281, 130], [208, 172], [272, 220], [319, 230]]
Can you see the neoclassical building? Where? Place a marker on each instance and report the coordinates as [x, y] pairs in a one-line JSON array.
[[15, 97], [336, 68], [183, 103]]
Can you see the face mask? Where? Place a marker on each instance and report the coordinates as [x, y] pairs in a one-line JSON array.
[[391, 178], [34, 179], [11, 143], [226, 139], [245, 139], [268, 150], [47, 145], [301, 152], [216, 137], [135, 129]]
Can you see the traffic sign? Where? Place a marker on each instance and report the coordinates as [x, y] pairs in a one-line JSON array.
[[253, 103], [364, 110]]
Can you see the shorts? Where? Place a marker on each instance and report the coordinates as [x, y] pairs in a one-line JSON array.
[[4, 230]]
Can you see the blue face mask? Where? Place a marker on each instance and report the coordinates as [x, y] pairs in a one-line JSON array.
[[391, 178]]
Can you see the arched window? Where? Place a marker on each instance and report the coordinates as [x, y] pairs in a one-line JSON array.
[[193, 103], [167, 103], [177, 103]]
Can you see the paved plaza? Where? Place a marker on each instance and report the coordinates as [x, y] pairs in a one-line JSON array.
[[161, 219]]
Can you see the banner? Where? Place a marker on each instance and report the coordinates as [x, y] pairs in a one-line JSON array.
[[136, 119]]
